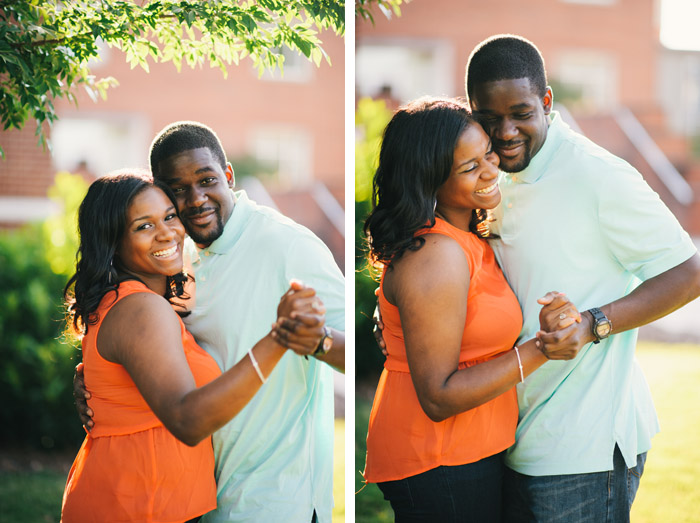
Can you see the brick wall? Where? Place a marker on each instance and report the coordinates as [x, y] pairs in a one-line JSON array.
[[26, 169]]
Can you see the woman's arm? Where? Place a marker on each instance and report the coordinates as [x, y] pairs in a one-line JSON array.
[[430, 288], [142, 333]]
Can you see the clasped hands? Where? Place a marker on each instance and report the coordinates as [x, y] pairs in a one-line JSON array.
[[563, 330], [300, 319]]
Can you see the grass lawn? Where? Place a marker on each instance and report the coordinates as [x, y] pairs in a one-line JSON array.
[[28, 497], [669, 488], [339, 472]]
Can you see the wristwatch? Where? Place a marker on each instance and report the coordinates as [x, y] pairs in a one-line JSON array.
[[326, 342], [602, 326]]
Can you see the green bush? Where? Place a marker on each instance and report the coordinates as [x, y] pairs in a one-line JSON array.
[[370, 119], [36, 376], [37, 367]]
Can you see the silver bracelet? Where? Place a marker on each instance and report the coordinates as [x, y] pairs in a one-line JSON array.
[[520, 363], [257, 367]]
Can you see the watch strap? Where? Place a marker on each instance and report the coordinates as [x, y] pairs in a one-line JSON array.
[[598, 317]]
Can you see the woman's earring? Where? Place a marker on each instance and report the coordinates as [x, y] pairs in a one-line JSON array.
[[111, 268], [434, 205]]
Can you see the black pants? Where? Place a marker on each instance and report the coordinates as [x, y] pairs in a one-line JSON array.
[[461, 493]]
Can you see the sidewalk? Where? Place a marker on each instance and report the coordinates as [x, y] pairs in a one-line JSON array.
[[682, 325]]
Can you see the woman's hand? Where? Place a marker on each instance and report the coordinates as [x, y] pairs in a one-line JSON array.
[[300, 319], [560, 337], [557, 312], [301, 299]]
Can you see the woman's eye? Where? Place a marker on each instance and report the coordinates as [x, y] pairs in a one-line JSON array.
[[143, 226], [170, 216]]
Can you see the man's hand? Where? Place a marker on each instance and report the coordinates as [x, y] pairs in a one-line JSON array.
[[302, 333], [300, 319], [378, 327], [81, 396]]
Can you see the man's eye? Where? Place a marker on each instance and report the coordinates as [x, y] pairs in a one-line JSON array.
[[177, 190], [523, 116]]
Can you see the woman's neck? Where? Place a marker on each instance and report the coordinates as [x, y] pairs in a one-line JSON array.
[[156, 282], [459, 218]]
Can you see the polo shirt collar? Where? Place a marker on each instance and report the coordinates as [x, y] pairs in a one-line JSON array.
[[539, 162], [234, 226]]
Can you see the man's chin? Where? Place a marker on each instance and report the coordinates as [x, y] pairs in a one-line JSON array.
[[515, 165], [204, 236]]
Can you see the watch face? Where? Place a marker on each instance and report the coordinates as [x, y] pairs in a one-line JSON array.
[[603, 329], [327, 344]]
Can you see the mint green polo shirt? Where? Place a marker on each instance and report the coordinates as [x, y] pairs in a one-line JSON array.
[[581, 221], [274, 460]]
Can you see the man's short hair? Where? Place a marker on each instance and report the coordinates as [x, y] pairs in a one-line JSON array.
[[506, 57], [185, 136]]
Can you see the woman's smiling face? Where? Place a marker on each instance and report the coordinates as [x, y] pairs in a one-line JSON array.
[[151, 246], [473, 180]]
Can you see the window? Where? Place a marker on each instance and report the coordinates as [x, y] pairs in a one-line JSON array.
[[101, 143], [297, 69], [402, 70], [590, 75], [287, 151]]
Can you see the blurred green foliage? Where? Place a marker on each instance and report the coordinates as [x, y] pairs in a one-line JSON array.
[[371, 117], [37, 362], [60, 231], [370, 505]]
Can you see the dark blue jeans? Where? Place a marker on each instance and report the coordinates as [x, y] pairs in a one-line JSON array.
[[599, 497], [463, 493]]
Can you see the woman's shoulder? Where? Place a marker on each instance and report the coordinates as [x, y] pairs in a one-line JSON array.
[[124, 289], [435, 244], [441, 257], [137, 307]]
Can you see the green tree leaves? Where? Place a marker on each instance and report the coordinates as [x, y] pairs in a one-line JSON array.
[[47, 48]]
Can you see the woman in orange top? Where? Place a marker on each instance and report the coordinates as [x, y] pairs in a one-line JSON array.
[[445, 408], [157, 396]]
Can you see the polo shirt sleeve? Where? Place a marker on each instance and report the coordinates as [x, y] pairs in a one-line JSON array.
[[309, 260], [641, 232]]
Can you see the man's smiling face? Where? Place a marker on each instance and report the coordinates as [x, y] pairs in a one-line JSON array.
[[515, 117], [203, 191]]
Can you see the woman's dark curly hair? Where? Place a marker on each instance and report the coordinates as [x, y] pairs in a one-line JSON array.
[[101, 225], [415, 160]]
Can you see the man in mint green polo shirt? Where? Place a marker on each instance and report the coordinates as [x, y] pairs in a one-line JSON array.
[[576, 219], [274, 460]]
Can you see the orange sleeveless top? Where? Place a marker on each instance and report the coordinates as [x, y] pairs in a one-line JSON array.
[[130, 467], [402, 440]]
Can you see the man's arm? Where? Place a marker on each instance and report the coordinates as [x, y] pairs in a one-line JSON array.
[[653, 299], [309, 260]]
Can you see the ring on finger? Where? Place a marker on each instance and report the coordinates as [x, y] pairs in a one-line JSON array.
[[562, 316]]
